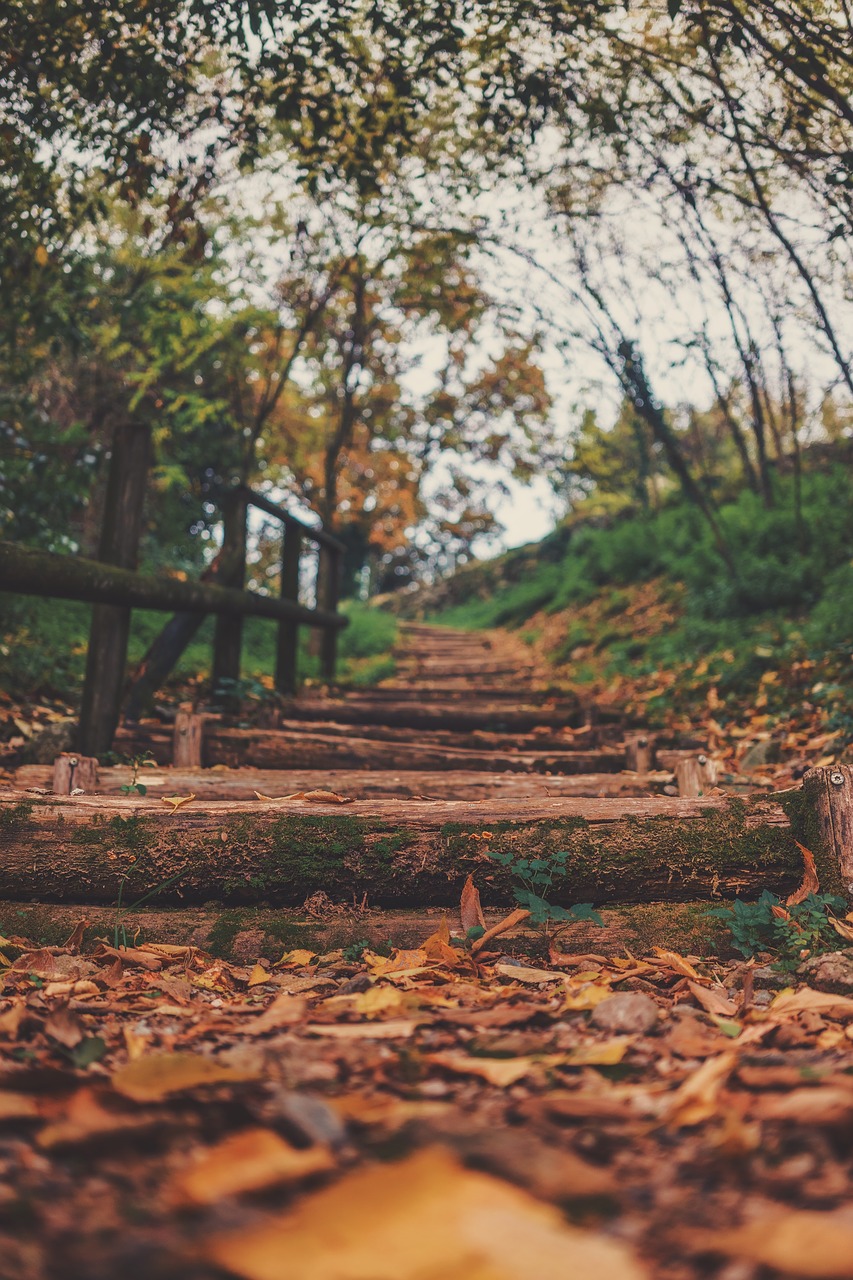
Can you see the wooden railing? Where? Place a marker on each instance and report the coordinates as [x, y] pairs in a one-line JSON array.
[[115, 591]]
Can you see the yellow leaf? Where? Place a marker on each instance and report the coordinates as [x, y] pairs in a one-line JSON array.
[[423, 1218], [295, 959], [379, 1000], [157, 1075], [41, 255], [790, 1003], [393, 1029], [587, 998], [605, 1054], [801, 1242], [284, 1011], [177, 802], [247, 1161], [258, 976]]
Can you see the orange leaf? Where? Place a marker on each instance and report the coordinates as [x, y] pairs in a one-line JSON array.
[[469, 906], [810, 883]]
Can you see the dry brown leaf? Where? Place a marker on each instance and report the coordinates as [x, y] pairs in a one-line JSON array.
[[695, 1099], [522, 973], [65, 1028], [284, 1011], [470, 911], [11, 1019], [602, 1053], [128, 955], [44, 964], [314, 797], [17, 1106], [297, 959], [398, 962], [75, 939], [679, 964], [393, 1029], [86, 1118], [826, 1104], [790, 1003], [810, 883], [424, 1218], [845, 930], [797, 1242], [247, 1161], [714, 1000], [502, 1072], [158, 1075], [508, 922]]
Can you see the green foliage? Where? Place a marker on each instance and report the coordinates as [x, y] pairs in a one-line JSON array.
[[143, 761], [535, 877], [788, 933]]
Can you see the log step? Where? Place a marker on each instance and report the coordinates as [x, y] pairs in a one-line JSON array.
[[243, 934], [456, 714], [398, 852], [222, 783], [309, 749]]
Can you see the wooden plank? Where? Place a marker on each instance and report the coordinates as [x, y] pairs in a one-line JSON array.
[[448, 715], [398, 852], [241, 784], [28, 571], [287, 647], [244, 934], [314, 749], [228, 633]]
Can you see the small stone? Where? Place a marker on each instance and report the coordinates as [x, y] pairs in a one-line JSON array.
[[357, 983], [832, 971], [765, 976], [627, 1012], [762, 998]]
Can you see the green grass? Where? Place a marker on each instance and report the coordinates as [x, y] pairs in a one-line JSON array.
[[43, 646]]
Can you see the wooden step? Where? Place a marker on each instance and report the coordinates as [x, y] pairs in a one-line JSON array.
[[222, 783], [452, 714], [397, 852], [314, 749], [243, 934], [588, 738]]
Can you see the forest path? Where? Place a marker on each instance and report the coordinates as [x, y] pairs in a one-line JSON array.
[[353, 804]]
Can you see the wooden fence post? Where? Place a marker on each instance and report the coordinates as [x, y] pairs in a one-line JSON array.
[[639, 752], [829, 794], [329, 582], [71, 772], [187, 739], [695, 775], [110, 628], [228, 635], [286, 659]]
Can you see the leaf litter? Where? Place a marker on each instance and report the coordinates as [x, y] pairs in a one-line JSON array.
[[449, 1110]]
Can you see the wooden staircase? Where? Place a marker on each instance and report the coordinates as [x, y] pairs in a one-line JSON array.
[[390, 798]]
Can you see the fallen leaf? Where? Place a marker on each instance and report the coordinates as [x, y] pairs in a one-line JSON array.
[[810, 882], [508, 922], [790, 1003], [158, 1075], [672, 960], [695, 1099], [393, 1029], [87, 1116], [259, 976], [17, 1106], [799, 1242], [605, 1053], [397, 962], [177, 802], [470, 911], [247, 1161], [424, 1218], [65, 1028], [378, 1001], [522, 973], [589, 995], [314, 797], [284, 1011], [714, 1000], [826, 1104], [502, 1072], [295, 959]]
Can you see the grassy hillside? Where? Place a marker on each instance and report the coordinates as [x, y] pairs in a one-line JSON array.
[[644, 611]]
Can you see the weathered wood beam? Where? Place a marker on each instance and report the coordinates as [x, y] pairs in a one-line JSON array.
[[359, 784], [28, 571], [397, 852]]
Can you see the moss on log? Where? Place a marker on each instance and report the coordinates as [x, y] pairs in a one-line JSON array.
[[245, 934], [397, 852]]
